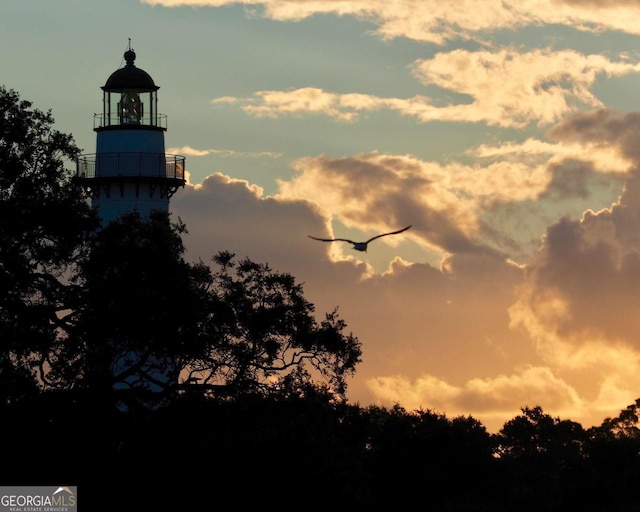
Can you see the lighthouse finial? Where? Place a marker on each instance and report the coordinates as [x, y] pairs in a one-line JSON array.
[[129, 55]]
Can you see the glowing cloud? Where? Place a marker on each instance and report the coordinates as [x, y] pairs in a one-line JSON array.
[[188, 150], [486, 398], [437, 21], [505, 88]]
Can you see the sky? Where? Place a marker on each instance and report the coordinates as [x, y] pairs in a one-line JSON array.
[[506, 133]]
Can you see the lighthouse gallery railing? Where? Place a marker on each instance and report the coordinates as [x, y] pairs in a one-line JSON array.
[[114, 165]]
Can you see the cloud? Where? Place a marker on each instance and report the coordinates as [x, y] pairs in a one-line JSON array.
[[225, 153], [602, 128], [496, 399], [223, 213], [579, 298], [445, 204], [189, 151], [471, 332], [391, 191], [604, 158], [307, 100], [502, 395], [586, 281], [438, 21], [506, 88], [478, 334], [513, 89], [584, 285]]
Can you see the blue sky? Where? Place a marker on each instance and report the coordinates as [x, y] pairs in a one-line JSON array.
[[504, 132]]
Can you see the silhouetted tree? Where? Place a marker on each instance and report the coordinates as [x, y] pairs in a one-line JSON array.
[[244, 329], [143, 306], [535, 432], [625, 425], [423, 457], [543, 459], [263, 336], [45, 223], [613, 451]]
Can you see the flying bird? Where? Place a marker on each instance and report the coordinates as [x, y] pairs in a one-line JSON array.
[[359, 246]]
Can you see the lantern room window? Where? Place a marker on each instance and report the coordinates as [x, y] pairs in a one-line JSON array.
[[130, 108]]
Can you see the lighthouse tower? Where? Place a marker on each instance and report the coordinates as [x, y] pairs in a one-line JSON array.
[[130, 170]]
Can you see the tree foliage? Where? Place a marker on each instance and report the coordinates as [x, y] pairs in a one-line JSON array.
[[243, 329], [262, 336], [45, 223], [240, 330], [142, 305]]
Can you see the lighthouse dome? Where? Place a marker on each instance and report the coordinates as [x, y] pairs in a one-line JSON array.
[[130, 77]]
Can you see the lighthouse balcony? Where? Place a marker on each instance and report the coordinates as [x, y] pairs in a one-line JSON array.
[[131, 165]]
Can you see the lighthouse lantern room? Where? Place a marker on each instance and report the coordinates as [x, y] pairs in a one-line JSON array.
[[130, 170]]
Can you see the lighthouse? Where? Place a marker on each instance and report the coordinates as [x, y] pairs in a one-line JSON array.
[[130, 171]]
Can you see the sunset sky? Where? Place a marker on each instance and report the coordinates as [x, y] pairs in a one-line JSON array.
[[507, 133]]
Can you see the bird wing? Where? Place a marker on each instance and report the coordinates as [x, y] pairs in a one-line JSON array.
[[391, 233], [332, 239]]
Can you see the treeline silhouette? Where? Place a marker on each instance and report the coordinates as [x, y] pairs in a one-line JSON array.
[[311, 453], [152, 383]]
